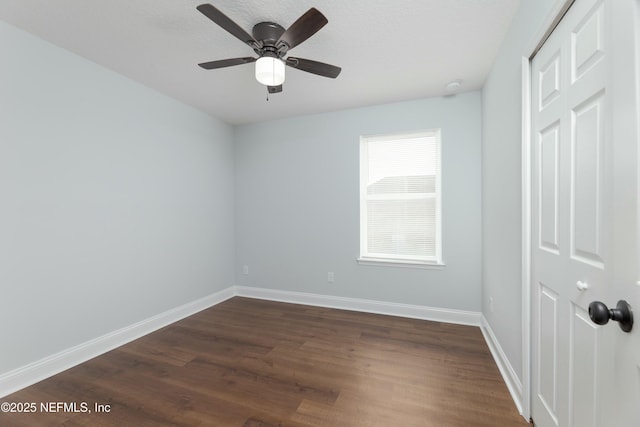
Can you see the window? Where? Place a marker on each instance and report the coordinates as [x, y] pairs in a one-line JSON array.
[[400, 198]]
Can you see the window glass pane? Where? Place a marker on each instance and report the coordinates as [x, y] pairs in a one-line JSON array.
[[402, 227], [403, 184], [402, 157]]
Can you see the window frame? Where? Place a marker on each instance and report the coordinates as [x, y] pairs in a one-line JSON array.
[[366, 258]]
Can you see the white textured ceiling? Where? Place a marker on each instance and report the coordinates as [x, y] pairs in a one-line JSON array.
[[389, 50]]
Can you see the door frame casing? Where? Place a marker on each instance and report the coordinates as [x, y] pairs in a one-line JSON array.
[[558, 10]]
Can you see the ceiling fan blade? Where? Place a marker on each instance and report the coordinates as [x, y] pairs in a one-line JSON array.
[[226, 23], [274, 89], [306, 26], [226, 63], [315, 67]]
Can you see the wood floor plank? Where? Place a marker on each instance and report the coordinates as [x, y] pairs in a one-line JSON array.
[[256, 363]]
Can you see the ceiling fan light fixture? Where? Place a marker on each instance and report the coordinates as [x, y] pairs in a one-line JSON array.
[[271, 42], [270, 71]]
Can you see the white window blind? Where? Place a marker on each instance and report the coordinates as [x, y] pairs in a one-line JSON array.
[[400, 198]]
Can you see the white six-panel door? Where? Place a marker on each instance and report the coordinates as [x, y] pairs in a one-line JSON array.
[[584, 168]]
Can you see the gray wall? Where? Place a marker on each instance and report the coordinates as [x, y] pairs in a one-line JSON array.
[[297, 207], [501, 181], [116, 201]]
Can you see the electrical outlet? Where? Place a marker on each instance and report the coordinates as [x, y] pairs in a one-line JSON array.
[[245, 269], [331, 277], [491, 304]]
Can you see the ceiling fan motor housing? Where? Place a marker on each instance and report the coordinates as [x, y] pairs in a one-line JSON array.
[[268, 34]]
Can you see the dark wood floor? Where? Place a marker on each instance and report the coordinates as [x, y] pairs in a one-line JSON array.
[[257, 363]]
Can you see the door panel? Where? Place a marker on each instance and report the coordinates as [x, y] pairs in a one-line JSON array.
[[587, 181], [587, 42], [550, 81], [548, 351], [548, 188], [585, 374]]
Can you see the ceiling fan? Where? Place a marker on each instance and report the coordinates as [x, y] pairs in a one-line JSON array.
[[271, 42]]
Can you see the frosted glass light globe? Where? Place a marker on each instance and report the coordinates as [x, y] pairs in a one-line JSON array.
[[270, 71]]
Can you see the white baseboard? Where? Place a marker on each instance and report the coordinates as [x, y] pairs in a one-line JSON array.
[[27, 375], [378, 307], [508, 373]]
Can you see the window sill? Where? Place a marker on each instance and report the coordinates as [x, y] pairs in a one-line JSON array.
[[400, 263]]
